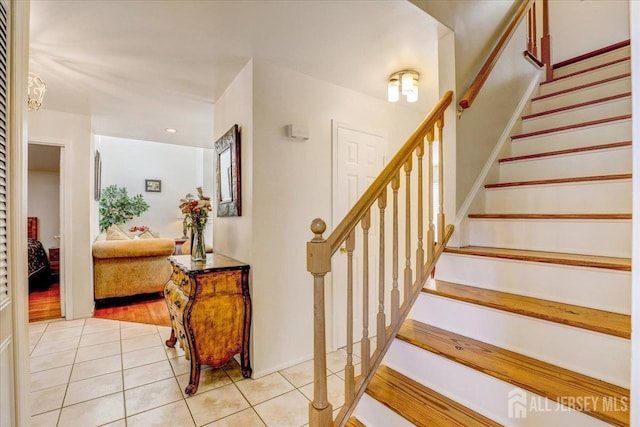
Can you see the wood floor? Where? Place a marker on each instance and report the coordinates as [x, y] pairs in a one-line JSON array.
[[151, 309], [45, 305]]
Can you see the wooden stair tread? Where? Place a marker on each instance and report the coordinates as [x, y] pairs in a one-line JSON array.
[[580, 87], [354, 422], [560, 180], [556, 383], [587, 216], [605, 322], [421, 405], [592, 54], [586, 70], [572, 126], [611, 263], [579, 105], [567, 151]]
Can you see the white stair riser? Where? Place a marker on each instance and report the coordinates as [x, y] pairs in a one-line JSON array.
[[586, 163], [582, 95], [615, 131], [617, 107], [598, 288], [587, 237], [480, 392], [607, 358], [374, 414], [612, 196], [623, 52], [586, 77]]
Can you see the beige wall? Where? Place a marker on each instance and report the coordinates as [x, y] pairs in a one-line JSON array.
[[44, 203], [127, 163], [233, 236], [477, 24], [73, 132], [480, 127], [285, 184], [577, 27]]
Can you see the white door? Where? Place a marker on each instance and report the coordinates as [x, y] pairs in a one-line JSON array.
[[358, 159]]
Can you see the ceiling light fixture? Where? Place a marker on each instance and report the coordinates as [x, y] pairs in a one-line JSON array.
[[37, 87], [170, 130], [403, 82]]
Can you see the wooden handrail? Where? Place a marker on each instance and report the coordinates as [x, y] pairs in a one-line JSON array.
[[356, 213], [470, 95]]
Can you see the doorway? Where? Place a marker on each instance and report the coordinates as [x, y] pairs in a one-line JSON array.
[[357, 161], [45, 212]]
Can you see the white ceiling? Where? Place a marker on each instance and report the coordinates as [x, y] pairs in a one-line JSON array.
[[138, 67]]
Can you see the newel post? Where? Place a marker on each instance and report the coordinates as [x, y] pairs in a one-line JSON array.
[[319, 264]]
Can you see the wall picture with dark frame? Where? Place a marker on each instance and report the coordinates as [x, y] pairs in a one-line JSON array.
[[228, 173], [152, 185]]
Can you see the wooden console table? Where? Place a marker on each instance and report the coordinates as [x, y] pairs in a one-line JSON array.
[[210, 310]]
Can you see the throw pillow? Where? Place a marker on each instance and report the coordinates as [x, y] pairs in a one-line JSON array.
[[146, 235], [116, 233]]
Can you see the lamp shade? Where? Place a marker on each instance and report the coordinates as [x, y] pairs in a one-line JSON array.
[[405, 82], [412, 96], [393, 90], [36, 87]]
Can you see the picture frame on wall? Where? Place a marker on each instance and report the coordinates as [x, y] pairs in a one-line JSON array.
[[152, 185]]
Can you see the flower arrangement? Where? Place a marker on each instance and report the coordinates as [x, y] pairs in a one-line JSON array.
[[196, 213], [196, 210], [140, 228]]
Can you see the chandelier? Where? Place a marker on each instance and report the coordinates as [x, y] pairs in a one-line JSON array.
[[403, 82], [37, 87]]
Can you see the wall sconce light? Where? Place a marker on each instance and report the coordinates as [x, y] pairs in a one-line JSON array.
[[37, 87], [403, 82]]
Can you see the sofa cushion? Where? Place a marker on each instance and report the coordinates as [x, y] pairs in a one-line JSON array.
[[146, 235], [115, 232]]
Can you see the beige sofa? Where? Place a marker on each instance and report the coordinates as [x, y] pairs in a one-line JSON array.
[[130, 267]]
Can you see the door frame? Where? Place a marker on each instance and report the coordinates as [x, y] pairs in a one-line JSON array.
[[332, 334], [16, 204], [66, 299]]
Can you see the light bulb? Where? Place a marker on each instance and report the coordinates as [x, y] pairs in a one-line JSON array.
[[407, 83], [413, 96], [393, 90]]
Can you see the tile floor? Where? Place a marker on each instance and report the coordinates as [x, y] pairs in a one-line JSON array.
[[99, 372]]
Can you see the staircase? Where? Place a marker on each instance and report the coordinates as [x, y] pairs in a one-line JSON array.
[[529, 325]]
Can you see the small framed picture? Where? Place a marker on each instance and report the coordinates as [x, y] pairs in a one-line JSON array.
[[152, 185]]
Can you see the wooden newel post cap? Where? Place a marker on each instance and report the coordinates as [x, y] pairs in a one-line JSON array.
[[318, 227], [318, 251]]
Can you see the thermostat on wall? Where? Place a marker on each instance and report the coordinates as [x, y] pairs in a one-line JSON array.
[[298, 132]]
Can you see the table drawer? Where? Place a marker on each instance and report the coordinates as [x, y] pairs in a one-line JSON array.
[[221, 283]]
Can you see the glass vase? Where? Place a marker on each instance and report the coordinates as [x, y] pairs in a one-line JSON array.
[[198, 251]]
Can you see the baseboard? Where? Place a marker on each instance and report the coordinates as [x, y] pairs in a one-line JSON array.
[[264, 372]]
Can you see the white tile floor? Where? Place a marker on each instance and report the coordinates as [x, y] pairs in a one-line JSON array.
[[98, 372]]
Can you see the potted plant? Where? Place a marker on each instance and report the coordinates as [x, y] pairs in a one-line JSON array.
[[116, 207]]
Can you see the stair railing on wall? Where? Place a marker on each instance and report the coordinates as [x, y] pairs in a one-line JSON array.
[[527, 8], [393, 300]]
